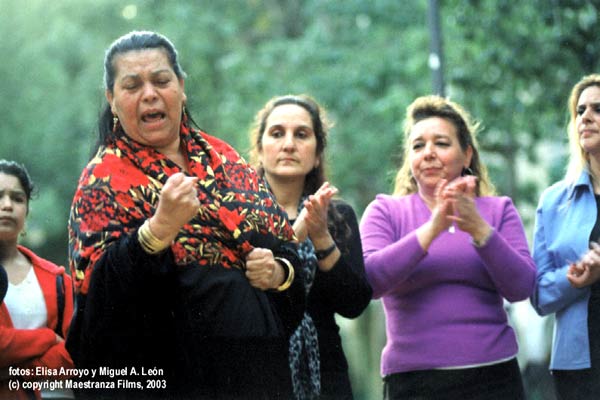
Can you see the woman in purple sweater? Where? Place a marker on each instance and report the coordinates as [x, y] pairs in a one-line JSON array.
[[442, 253]]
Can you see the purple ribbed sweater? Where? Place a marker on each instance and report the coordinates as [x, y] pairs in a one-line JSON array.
[[444, 307]]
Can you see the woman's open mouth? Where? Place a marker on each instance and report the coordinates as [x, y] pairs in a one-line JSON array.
[[153, 117]]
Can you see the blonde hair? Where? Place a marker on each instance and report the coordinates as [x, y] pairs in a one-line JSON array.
[[436, 106], [578, 158]]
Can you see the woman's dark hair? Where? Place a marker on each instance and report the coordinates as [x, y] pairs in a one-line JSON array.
[[19, 171], [321, 125], [136, 40]]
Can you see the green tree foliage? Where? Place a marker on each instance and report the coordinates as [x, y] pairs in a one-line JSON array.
[[513, 64], [510, 63]]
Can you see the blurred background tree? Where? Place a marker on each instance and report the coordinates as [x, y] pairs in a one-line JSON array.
[[511, 64]]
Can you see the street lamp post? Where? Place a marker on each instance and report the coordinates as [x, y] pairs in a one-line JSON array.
[[436, 52]]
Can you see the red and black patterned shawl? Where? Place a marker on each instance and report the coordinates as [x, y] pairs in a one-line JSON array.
[[119, 189]]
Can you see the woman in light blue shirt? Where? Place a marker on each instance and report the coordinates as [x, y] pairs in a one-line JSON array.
[[566, 253]]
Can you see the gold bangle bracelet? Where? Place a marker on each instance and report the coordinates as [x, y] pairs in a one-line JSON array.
[[290, 274], [149, 242]]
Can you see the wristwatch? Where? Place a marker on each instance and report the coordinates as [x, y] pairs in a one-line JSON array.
[[322, 254]]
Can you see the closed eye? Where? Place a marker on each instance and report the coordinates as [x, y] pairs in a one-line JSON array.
[[131, 86], [163, 82]]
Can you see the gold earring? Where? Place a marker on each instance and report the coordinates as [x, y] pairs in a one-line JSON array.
[[184, 116], [115, 123]]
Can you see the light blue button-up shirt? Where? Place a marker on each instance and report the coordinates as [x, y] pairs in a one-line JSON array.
[[565, 218]]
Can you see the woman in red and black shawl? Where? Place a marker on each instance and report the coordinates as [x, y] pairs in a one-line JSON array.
[[182, 259]]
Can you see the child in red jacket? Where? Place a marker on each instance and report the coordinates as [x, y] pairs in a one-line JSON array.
[[37, 309]]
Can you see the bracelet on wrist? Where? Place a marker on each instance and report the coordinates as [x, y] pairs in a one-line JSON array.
[[148, 241], [322, 254], [287, 265]]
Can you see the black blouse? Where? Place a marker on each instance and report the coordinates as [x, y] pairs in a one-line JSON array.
[[594, 303], [343, 290]]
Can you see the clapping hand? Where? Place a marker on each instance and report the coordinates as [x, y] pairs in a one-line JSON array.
[[587, 270], [442, 209], [461, 193], [439, 221], [312, 220]]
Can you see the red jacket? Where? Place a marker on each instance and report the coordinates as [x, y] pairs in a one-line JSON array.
[[30, 348]]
